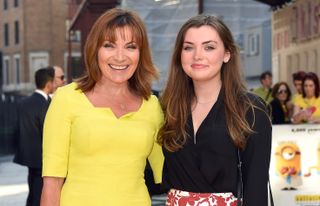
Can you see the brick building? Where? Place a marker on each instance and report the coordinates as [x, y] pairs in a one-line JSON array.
[[33, 35]]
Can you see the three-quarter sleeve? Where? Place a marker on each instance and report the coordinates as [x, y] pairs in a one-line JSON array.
[[256, 158], [156, 158], [56, 136]]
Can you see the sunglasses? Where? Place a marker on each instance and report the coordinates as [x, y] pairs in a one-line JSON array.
[[61, 77], [282, 92]]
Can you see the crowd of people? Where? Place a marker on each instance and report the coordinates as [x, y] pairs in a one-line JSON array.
[[287, 107]]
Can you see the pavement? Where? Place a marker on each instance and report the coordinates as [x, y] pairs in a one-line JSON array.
[[14, 187], [13, 182]]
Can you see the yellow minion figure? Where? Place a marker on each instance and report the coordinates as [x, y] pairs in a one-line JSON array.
[[288, 164], [316, 167]]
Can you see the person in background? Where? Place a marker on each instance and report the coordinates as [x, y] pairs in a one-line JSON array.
[[280, 107], [31, 114], [265, 91], [59, 78], [297, 82], [211, 122], [307, 108], [100, 130]]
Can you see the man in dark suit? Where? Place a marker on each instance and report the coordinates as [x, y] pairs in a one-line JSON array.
[[31, 114]]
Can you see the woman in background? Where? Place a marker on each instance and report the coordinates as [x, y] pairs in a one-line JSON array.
[[281, 108], [100, 130], [307, 108], [209, 117]]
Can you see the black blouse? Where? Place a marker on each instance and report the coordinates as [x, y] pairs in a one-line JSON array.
[[208, 160]]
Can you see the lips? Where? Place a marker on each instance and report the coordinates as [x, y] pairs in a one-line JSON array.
[[198, 66], [118, 67]]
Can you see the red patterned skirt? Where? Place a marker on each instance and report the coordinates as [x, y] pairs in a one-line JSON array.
[[183, 198]]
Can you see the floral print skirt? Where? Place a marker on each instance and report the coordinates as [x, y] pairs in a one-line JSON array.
[[183, 198]]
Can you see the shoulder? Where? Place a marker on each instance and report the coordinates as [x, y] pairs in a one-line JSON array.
[[256, 100], [153, 108], [257, 90], [68, 90], [258, 111], [153, 101]]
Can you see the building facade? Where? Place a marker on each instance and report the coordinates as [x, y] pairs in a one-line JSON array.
[[296, 39], [164, 18], [33, 36]]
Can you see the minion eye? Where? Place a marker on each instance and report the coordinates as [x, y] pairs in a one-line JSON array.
[[288, 155]]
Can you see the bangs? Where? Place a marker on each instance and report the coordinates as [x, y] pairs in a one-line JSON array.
[[127, 28]]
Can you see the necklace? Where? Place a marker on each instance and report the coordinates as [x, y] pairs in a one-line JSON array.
[[123, 106]]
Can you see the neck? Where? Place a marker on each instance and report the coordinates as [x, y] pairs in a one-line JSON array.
[[45, 90], [207, 92], [112, 89]]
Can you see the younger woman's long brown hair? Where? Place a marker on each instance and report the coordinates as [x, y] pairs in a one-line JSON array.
[[179, 92]]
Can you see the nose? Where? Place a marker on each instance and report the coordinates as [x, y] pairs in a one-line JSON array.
[[197, 54], [120, 55]]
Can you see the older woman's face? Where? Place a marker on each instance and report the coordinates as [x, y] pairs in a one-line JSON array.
[[119, 60], [309, 88], [282, 93]]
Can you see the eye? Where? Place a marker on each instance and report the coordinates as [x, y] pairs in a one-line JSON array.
[[132, 46], [288, 154], [187, 48], [209, 48], [107, 45]]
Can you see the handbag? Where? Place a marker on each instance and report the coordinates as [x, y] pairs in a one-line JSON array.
[[240, 184]]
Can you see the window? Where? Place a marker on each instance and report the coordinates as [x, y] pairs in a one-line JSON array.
[[5, 4], [253, 44], [16, 3], [17, 68], [6, 34], [6, 69], [16, 32]]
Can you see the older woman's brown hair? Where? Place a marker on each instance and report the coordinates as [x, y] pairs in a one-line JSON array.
[[179, 88], [105, 28]]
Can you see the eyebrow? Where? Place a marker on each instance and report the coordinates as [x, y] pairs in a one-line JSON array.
[[205, 42]]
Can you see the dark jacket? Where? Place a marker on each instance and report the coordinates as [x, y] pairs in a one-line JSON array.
[[277, 113], [31, 113]]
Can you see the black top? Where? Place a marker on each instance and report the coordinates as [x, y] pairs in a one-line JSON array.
[[278, 115], [208, 161]]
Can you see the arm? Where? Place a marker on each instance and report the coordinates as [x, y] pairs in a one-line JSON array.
[[156, 158], [56, 146], [51, 191], [256, 160], [299, 115]]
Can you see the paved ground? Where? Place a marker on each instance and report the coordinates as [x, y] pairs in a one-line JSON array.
[[14, 188], [13, 183]]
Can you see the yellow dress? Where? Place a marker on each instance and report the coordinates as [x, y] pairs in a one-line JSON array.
[[304, 103], [102, 158]]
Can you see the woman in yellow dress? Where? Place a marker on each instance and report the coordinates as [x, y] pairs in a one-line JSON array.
[[307, 107], [100, 130]]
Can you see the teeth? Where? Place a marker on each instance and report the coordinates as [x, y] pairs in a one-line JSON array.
[[118, 67]]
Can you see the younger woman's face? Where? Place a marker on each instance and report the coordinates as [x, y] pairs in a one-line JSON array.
[[203, 54]]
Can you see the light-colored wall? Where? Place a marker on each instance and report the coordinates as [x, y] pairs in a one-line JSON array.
[[296, 39]]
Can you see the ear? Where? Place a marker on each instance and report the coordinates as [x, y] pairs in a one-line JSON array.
[[226, 57]]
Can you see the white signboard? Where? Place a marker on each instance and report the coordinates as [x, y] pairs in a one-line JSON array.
[[295, 165]]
